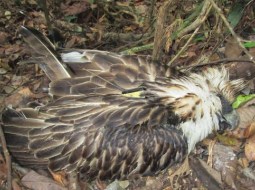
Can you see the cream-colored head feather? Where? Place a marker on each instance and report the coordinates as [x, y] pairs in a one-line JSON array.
[[196, 100]]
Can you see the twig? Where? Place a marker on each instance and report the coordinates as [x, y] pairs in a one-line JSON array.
[[124, 36], [197, 22], [227, 60], [7, 159], [219, 11], [150, 15], [137, 49], [159, 37], [43, 4], [184, 47], [203, 17]]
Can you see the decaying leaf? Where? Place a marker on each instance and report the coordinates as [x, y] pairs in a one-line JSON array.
[[38, 182], [247, 117], [209, 177], [225, 161], [249, 148]]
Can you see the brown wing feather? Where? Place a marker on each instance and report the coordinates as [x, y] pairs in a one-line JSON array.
[[90, 126], [104, 137], [111, 73]]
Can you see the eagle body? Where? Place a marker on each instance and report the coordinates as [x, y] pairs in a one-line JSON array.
[[116, 116]]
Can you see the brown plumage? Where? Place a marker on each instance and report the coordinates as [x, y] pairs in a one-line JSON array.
[[116, 116]]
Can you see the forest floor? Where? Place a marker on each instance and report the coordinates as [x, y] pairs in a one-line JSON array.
[[183, 35]]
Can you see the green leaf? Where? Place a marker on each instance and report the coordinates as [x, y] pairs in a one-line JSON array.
[[235, 14], [241, 99], [250, 44], [199, 38]]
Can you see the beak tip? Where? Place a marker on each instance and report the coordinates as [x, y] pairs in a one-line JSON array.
[[232, 119]]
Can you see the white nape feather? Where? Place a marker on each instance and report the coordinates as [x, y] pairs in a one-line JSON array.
[[205, 116], [198, 129], [73, 57]]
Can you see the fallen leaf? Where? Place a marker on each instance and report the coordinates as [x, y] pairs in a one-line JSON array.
[[243, 162], [38, 182], [250, 130], [227, 140], [225, 161], [3, 37], [249, 148], [74, 8], [15, 185], [232, 49], [247, 117], [17, 98], [59, 177]]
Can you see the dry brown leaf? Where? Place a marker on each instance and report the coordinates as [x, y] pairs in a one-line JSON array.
[[12, 49], [15, 185], [16, 99], [38, 182], [249, 148], [232, 49], [244, 162], [59, 177], [74, 41], [242, 70], [3, 37], [153, 183], [17, 80], [13, 100], [246, 127], [25, 92], [250, 130], [74, 8], [225, 161]]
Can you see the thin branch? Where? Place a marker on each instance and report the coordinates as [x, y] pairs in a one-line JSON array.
[[227, 60], [150, 15], [199, 20], [159, 37], [205, 14], [137, 49], [219, 11], [7, 159]]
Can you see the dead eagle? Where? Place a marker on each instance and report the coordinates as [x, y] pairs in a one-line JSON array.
[[115, 116]]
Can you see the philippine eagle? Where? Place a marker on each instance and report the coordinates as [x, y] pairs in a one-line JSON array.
[[116, 116]]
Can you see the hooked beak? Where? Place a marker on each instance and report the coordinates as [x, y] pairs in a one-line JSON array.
[[229, 121]]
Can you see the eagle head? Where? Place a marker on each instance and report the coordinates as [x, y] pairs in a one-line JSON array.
[[202, 102]]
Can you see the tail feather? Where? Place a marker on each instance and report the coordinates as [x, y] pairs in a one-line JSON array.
[[46, 55]]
